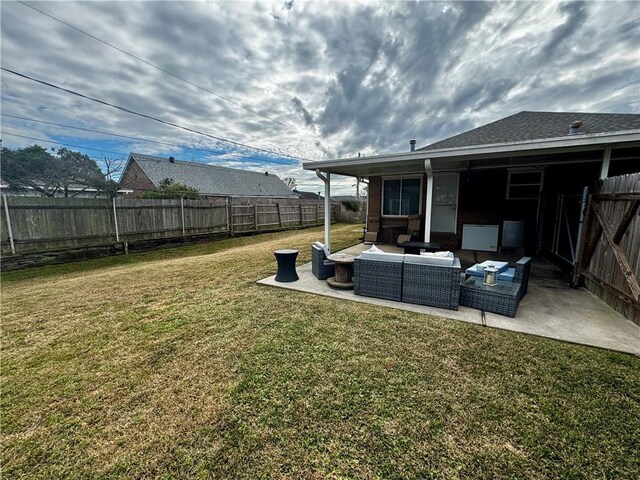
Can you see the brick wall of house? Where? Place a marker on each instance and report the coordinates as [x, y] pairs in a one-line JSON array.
[[135, 179], [375, 198]]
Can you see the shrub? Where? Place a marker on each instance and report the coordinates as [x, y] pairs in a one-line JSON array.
[[351, 205], [170, 189]]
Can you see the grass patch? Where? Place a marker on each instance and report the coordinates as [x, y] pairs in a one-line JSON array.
[[176, 364]]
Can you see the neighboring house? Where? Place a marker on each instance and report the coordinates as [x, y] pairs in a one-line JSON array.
[[308, 195], [145, 172], [348, 198], [530, 167]]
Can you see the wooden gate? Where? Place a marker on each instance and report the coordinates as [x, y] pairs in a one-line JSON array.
[[609, 260]]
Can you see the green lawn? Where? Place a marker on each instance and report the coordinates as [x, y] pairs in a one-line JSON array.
[[176, 364]]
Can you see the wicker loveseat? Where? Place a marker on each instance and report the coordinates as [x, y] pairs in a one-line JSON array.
[[420, 279], [320, 266], [503, 298]]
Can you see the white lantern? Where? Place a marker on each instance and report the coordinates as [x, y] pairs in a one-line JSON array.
[[491, 275]]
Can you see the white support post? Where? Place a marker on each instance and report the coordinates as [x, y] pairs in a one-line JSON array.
[[182, 212], [428, 200], [606, 160], [327, 212], [9, 230], [115, 219], [327, 207]]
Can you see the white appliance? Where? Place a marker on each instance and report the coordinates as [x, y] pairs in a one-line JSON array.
[[482, 238], [512, 233]]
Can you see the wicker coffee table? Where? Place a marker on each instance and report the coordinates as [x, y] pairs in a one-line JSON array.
[[502, 298]]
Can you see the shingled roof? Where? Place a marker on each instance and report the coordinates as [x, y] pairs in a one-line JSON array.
[[212, 179], [539, 125]]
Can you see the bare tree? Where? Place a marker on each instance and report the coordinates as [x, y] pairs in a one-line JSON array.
[[113, 168], [290, 182]]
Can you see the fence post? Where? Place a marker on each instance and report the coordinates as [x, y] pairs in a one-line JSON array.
[[9, 230], [317, 212], [115, 219], [230, 215], [301, 214], [255, 215], [182, 212], [226, 213], [279, 215]]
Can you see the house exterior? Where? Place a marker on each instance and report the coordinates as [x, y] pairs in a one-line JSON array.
[[529, 168], [145, 172]]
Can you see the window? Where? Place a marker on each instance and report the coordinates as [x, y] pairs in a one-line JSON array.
[[401, 197], [524, 185]]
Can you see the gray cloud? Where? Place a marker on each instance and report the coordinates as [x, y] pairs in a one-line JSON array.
[[576, 14], [307, 117]]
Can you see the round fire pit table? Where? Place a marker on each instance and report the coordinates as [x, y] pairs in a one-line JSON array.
[[344, 271], [286, 265]]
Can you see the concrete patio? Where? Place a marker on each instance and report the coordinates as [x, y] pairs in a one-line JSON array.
[[551, 308]]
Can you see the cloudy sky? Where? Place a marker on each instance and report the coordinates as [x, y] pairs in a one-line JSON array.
[[311, 80]]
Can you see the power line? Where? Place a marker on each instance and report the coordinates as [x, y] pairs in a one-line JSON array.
[[139, 139], [65, 144], [150, 117], [222, 97]]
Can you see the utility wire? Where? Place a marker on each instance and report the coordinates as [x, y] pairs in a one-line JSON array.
[[222, 97], [139, 139], [65, 144], [150, 117]]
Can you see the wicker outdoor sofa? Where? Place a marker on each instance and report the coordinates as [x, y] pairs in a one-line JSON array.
[[378, 277], [419, 279]]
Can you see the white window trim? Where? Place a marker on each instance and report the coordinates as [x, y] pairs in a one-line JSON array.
[[401, 177], [527, 170]]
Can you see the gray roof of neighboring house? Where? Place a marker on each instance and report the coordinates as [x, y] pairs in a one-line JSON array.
[[308, 195], [212, 179], [538, 125]]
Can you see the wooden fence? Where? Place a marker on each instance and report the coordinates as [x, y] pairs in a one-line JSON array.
[[609, 260], [37, 224]]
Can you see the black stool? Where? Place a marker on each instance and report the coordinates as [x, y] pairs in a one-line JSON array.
[[286, 265]]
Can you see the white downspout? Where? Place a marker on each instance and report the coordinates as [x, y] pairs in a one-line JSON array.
[[428, 201], [327, 207]]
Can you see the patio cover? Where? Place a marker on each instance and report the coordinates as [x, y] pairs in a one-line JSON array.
[[510, 154]]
